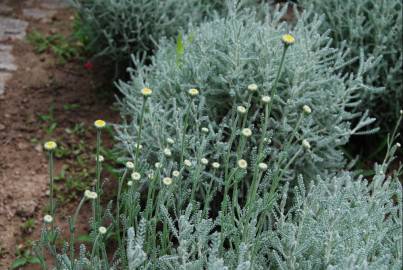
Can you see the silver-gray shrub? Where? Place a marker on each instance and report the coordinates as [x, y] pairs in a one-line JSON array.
[[221, 58], [118, 28], [373, 28], [341, 222]]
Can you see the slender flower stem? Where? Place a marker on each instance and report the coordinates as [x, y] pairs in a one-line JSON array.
[[183, 143], [72, 231], [95, 246], [196, 176], [273, 91], [98, 179], [51, 184], [268, 108], [230, 142], [256, 176], [121, 180], [139, 133]]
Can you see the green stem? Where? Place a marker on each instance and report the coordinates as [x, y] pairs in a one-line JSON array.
[[139, 133], [51, 185], [95, 246], [98, 179], [273, 91], [72, 231], [121, 180], [185, 124]]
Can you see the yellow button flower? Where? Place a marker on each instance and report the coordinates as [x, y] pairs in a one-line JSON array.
[[50, 145], [288, 39], [146, 91], [100, 124], [242, 164], [167, 181], [193, 92]]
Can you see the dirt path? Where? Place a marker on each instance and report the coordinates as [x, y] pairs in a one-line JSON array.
[[39, 100]]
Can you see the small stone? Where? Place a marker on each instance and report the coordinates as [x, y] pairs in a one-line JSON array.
[[2, 127], [36, 13], [11, 29], [22, 145], [54, 4], [26, 208], [39, 148]]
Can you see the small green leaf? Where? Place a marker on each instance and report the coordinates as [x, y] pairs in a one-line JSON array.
[[19, 262], [34, 260], [180, 50]]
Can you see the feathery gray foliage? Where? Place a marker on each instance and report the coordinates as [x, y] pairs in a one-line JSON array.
[[221, 58], [370, 28], [342, 223]]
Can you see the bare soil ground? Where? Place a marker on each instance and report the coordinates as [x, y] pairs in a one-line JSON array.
[[42, 100]]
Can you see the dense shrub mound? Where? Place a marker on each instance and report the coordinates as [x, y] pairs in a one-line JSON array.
[[216, 131], [342, 223], [221, 59], [370, 28], [117, 29]]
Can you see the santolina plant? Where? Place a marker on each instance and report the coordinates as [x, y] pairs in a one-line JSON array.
[[216, 131], [340, 222], [238, 62], [117, 29], [374, 29]]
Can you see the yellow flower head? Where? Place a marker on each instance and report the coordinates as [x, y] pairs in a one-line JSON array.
[[216, 165], [50, 145], [306, 144], [146, 91], [187, 163], [135, 176], [204, 161], [252, 87], [130, 165], [90, 195], [99, 124], [266, 99], [102, 230], [193, 92], [306, 109], [263, 166], [167, 181], [246, 132], [288, 39], [241, 109], [48, 219], [242, 164]]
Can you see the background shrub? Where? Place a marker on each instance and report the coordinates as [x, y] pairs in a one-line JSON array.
[[117, 29], [341, 223], [221, 58], [374, 29], [120, 28]]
